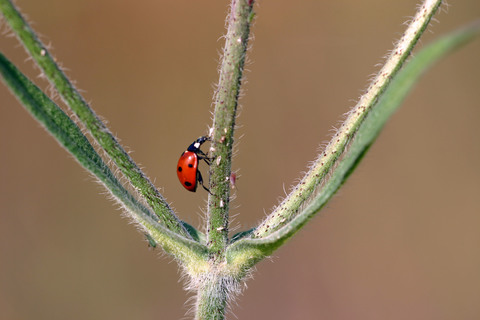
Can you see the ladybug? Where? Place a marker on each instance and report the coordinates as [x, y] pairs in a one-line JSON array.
[[187, 167]]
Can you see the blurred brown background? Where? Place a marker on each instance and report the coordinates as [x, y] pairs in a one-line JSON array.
[[400, 241]]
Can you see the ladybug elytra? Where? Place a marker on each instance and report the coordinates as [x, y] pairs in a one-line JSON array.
[[187, 167]]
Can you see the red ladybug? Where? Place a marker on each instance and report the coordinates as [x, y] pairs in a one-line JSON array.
[[187, 167]]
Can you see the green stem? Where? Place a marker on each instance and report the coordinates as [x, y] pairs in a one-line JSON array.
[[191, 253], [87, 116], [213, 287], [244, 253], [212, 297], [226, 100], [305, 190]]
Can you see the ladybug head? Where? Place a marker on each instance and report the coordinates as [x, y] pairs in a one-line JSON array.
[[195, 146]]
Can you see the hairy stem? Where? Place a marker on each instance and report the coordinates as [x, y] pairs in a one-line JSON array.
[[87, 116], [302, 193], [226, 100], [214, 289], [191, 253], [214, 293]]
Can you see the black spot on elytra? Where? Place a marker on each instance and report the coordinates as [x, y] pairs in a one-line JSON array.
[[179, 169], [190, 165], [188, 184]]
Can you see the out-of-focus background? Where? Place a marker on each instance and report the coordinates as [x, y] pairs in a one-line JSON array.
[[401, 240]]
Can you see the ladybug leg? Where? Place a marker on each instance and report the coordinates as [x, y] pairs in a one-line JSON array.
[[200, 180], [207, 160], [202, 156]]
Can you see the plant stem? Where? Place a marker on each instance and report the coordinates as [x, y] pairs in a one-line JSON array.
[[213, 297], [87, 116], [244, 253], [226, 100], [305, 190], [191, 253], [213, 287]]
